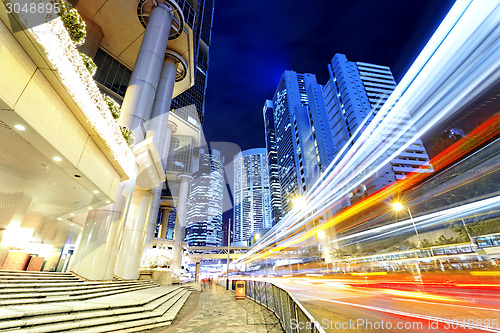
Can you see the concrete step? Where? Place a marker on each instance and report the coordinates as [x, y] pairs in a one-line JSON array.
[[81, 286], [6, 271], [40, 293], [74, 284], [157, 309], [162, 316], [70, 298], [11, 280]]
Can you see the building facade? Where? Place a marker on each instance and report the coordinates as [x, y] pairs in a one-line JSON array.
[[272, 158], [353, 95], [204, 226], [304, 145], [252, 211]]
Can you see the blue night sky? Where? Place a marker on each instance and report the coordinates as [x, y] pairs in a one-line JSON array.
[[253, 42]]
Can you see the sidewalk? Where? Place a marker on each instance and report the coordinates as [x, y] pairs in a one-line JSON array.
[[215, 310]]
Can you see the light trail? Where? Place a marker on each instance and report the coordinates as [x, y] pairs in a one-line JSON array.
[[403, 313], [461, 60]]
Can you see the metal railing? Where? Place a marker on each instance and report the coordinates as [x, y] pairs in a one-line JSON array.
[[293, 316]]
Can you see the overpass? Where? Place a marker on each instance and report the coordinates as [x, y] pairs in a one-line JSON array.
[[198, 253]]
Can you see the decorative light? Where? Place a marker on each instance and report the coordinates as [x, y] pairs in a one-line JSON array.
[[61, 52]]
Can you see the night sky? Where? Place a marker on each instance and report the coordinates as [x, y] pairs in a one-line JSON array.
[[253, 42]]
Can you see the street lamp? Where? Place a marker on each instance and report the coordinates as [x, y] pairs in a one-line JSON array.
[[299, 202], [397, 206]]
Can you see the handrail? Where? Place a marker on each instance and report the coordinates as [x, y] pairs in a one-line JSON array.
[[294, 318]]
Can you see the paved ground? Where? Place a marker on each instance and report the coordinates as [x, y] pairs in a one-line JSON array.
[[216, 311]]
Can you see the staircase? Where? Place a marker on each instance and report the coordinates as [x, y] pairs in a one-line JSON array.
[[62, 302]]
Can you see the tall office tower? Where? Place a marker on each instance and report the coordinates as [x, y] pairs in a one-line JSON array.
[[204, 226], [357, 90], [252, 196], [304, 144], [272, 158], [190, 105]]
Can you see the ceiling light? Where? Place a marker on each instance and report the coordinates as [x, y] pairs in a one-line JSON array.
[[95, 191], [57, 158], [19, 127]]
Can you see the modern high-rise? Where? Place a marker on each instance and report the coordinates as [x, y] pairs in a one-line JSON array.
[[304, 145], [204, 227], [357, 90], [272, 158], [252, 197]]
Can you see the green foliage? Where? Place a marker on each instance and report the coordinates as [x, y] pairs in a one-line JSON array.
[[128, 135], [477, 228], [114, 107], [89, 63], [74, 24]]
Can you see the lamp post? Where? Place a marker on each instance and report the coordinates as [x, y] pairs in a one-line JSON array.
[[397, 206]]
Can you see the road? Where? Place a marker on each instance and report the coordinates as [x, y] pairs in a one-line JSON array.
[[354, 306]]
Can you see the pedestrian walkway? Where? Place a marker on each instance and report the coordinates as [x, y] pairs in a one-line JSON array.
[[215, 310]]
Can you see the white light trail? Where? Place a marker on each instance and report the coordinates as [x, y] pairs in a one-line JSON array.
[[459, 62]]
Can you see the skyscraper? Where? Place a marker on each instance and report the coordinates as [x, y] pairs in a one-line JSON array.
[[204, 227], [272, 158], [304, 144], [252, 197], [357, 90]]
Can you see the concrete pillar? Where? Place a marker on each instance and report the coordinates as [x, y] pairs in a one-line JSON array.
[[96, 254], [164, 222], [158, 123], [134, 235], [197, 272], [153, 217], [180, 222], [138, 101]]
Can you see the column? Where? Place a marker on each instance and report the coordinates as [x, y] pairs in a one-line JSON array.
[[134, 235], [138, 101], [197, 272], [158, 123], [164, 222], [96, 256], [180, 222]]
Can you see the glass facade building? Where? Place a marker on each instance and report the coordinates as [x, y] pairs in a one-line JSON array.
[[355, 91], [272, 158], [252, 211], [204, 221], [304, 145]]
